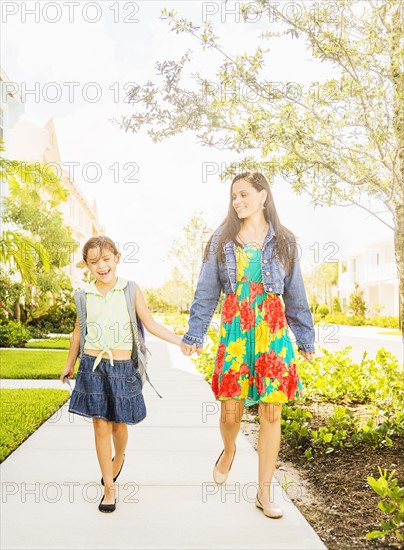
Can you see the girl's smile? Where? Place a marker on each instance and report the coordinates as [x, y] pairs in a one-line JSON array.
[[102, 265]]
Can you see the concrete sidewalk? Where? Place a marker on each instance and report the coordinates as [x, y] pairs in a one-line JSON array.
[[166, 495]]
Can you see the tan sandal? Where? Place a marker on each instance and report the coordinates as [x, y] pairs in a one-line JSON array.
[[218, 477], [270, 509]]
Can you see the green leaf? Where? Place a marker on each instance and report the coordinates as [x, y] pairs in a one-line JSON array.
[[375, 534]]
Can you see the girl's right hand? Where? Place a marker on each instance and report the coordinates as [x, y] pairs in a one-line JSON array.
[[67, 372], [187, 349]]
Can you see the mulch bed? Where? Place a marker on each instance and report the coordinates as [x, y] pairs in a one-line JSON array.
[[334, 495]]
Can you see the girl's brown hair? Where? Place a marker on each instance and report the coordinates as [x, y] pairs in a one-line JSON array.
[[102, 242], [231, 224]]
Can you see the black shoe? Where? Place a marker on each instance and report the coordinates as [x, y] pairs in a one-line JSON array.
[[116, 477], [106, 507]]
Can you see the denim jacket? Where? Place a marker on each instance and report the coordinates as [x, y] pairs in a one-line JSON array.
[[216, 277]]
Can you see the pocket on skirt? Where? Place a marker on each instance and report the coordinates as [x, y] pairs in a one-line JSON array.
[[133, 384]]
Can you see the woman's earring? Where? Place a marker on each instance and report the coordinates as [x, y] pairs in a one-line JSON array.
[[263, 206]]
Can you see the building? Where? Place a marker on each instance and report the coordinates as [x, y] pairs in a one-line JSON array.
[[25, 141], [11, 109], [33, 144], [374, 269]]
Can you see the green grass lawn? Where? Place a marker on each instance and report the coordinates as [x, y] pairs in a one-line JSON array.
[[49, 343], [22, 411], [17, 363]]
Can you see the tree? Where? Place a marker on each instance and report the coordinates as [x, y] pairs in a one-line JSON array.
[[171, 296], [187, 253], [41, 243], [321, 281], [340, 141], [16, 249], [357, 304]]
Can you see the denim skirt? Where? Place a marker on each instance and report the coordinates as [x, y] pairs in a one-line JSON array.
[[110, 392]]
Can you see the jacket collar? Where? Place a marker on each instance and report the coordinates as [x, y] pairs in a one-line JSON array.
[[119, 285], [229, 245]]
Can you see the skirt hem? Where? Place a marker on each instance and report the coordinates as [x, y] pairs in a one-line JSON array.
[[104, 418]]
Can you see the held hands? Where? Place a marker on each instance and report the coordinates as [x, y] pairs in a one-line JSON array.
[[187, 349]]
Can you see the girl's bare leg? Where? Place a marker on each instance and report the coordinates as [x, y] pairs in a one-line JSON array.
[[269, 441], [120, 438], [102, 434], [230, 419]]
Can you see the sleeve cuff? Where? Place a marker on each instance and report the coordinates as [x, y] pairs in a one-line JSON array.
[[188, 339], [306, 347]]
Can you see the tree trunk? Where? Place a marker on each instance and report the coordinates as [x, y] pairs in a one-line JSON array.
[[330, 299], [398, 85], [399, 250], [17, 312]]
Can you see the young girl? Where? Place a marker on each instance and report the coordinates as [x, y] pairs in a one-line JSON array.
[[250, 258], [108, 385]]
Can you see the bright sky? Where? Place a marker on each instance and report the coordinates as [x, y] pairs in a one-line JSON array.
[[112, 52]]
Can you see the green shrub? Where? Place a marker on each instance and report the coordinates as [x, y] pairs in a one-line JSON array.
[[13, 333], [177, 321], [335, 377], [358, 320], [385, 321], [58, 319], [357, 304], [391, 503], [205, 362], [323, 309]]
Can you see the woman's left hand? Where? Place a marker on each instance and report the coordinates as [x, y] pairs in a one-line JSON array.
[[308, 355], [187, 349]]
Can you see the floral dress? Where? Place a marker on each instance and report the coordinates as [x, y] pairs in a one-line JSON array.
[[255, 356]]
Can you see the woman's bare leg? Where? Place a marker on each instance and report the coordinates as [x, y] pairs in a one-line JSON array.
[[102, 434], [120, 439], [269, 441], [230, 419]]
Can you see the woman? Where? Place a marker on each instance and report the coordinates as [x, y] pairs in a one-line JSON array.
[[253, 259]]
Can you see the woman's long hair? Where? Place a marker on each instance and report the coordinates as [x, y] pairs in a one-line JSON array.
[[231, 224]]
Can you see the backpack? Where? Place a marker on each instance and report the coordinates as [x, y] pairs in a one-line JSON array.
[[138, 346]]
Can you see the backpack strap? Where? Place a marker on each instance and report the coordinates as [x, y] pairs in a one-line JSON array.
[[138, 347], [81, 306]]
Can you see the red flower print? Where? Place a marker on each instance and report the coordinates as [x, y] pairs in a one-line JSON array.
[[221, 350], [274, 314], [255, 290], [292, 380], [260, 384], [270, 364], [284, 386], [244, 369], [229, 386], [229, 309], [251, 380], [247, 317], [215, 384]]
